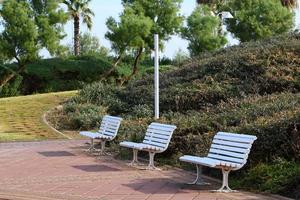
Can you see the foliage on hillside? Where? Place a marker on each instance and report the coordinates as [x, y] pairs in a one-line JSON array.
[[253, 88], [57, 74], [63, 74]]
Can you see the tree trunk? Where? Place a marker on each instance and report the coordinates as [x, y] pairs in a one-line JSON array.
[[9, 75], [103, 76], [136, 61], [135, 65], [77, 35]]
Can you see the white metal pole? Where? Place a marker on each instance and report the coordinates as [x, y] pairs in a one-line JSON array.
[[156, 76]]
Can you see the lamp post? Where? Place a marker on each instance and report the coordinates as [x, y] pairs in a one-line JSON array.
[[224, 15], [156, 76]]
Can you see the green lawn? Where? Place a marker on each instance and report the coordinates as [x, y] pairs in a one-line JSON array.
[[21, 117]]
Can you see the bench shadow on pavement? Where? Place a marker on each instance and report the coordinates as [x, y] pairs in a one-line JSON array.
[[164, 186], [56, 153], [95, 168]]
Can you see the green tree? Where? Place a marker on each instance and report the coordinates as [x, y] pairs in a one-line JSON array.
[[90, 45], [257, 19], [28, 27], [291, 4], [128, 35], [165, 15], [166, 21], [202, 31], [79, 9]]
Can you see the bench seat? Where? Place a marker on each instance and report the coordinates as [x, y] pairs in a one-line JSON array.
[[229, 151], [140, 146], [95, 135], [156, 140], [209, 162], [107, 132]]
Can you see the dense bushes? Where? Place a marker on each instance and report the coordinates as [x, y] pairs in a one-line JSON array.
[[254, 68], [57, 74], [278, 177], [84, 116], [12, 88], [253, 88], [71, 73]]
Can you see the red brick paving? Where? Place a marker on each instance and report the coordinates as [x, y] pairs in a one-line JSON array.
[[61, 170]]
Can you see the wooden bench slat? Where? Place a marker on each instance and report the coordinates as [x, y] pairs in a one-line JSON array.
[[158, 136], [230, 143], [227, 153], [154, 143], [225, 158], [162, 128], [107, 124], [161, 132], [163, 125], [163, 141], [252, 137], [228, 148], [234, 139]]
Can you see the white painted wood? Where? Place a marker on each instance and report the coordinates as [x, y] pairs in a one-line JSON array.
[[107, 131], [229, 151], [225, 158], [234, 139], [156, 140], [238, 135], [231, 144], [229, 148]]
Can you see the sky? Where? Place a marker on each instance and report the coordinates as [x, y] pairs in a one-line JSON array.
[[106, 8]]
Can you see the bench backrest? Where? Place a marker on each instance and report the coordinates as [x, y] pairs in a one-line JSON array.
[[110, 126], [159, 135], [231, 147]]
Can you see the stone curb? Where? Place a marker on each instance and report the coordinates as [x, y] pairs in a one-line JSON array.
[[44, 118]]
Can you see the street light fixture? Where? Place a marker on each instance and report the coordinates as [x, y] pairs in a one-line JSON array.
[[224, 15]]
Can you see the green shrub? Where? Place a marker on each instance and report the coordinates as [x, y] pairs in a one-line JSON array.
[[278, 177], [13, 88], [84, 116], [103, 95], [253, 89], [142, 111]]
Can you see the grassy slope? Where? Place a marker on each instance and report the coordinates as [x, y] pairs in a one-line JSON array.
[[21, 117], [253, 88]]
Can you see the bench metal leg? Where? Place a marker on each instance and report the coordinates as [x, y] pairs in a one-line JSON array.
[[102, 150], [225, 186], [135, 158], [92, 146], [199, 180], [151, 165]]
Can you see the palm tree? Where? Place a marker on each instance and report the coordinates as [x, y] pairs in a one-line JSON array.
[[79, 9]]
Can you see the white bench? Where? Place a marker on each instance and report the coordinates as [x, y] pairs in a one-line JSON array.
[[229, 151], [107, 132], [156, 140]]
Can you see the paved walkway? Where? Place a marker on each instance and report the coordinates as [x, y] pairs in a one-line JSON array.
[[61, 170]]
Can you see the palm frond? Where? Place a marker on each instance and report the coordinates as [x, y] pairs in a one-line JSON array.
[[88, 21], [80, 8]]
